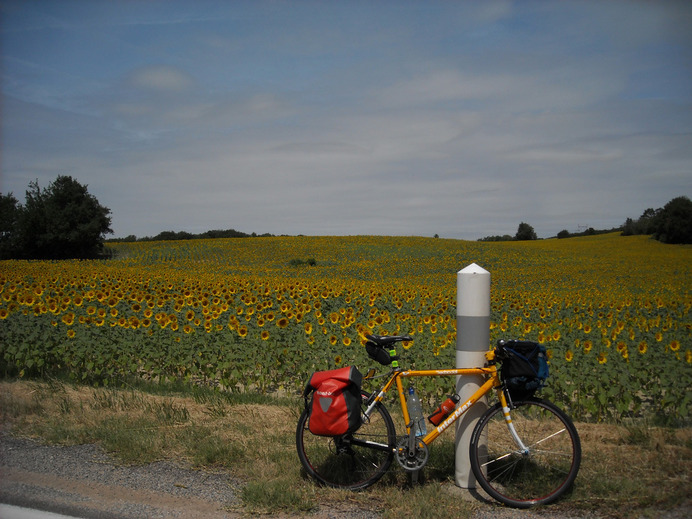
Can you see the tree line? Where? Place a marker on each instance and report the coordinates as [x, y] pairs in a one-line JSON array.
[[669, 224], [183, 235], [65, 221]]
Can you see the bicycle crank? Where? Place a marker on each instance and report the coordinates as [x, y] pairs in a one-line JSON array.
[[411, 459]]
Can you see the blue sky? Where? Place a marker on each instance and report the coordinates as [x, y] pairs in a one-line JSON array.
[[461, 119]]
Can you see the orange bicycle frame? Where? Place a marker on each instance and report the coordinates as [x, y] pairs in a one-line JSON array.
[[492, 381]]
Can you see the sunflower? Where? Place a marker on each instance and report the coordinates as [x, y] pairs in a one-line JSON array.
[[675, 345], [282, 323], [338, 360], [264, 335], [242, 331], [602, 359], [569, 356], [642, 347], [587, 346], [71, 333], [308, 328]]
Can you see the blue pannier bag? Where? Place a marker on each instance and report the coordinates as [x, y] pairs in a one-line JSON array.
[[524, 368]]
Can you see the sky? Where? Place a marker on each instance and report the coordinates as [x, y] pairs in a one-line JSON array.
[[402, 118]]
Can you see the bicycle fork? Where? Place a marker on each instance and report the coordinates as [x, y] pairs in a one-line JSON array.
[[523, 449]]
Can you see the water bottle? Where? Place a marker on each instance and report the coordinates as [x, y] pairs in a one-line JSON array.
[[444, 410], [415, 411]]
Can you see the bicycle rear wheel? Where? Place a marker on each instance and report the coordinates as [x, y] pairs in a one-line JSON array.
[[519, 479], [352, 461]]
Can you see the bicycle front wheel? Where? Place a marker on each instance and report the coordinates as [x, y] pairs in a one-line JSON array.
[[352, 461], [539, 475]]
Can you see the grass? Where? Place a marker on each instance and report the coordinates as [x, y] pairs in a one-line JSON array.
[[633, 469]]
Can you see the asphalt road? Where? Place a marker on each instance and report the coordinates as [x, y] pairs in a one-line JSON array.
[[16, 512]]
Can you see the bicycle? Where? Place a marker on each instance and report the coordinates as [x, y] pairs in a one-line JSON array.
[[523, 452]]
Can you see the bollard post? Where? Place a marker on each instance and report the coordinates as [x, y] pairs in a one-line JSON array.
[[473, 338]]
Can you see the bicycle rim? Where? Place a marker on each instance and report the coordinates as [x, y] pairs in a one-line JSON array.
[[352, 461], [518, 479]]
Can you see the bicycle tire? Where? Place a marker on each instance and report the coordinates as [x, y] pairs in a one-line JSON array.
[[353, 461], [524, 480]]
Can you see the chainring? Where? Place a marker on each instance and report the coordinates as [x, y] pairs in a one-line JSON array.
[[411, 460]]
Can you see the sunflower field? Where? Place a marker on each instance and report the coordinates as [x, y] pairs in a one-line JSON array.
[[262, 314]]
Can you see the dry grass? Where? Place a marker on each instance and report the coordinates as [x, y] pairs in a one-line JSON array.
[[627, 470]]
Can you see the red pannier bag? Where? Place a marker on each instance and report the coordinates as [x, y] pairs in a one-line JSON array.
[[335, 405]]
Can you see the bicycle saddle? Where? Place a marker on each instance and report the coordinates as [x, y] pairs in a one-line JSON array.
[[386, 340]]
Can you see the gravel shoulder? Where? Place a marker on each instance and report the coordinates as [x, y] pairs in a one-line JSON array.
[[83, 481]]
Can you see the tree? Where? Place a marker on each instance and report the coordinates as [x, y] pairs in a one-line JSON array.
[[525, 232], [9, 213], [61, 221], [673, 224]]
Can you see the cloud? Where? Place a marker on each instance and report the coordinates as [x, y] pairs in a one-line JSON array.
[[454, 118], [161, 79]]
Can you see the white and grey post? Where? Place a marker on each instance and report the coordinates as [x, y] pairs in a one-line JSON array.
[[473, 338]]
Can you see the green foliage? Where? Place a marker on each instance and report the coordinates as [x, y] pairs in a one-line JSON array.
[[674, 223], [505, 237], [297, 262], [525, 232], [59, 222], [9, 213], [183, 235], [670, 224]]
